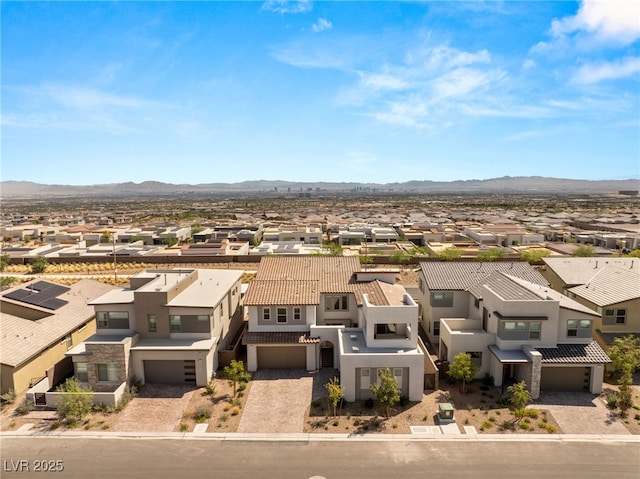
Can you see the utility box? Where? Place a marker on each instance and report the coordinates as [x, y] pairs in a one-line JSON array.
[[445, 412]]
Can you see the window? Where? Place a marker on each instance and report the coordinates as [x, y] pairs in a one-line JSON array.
[[266, 314], [107, 372], [112, 320], [615, 316], [520, 330], [69, 341], [476, 303], [281, 315], [476, 358], [384, 328], [485, 319], [297, 314], [442, 299], [222, 310], [397, 375], [336, 303], [152, 323], [579, 328], [365, 380], [175, 324], [436, 327], [82, 372]]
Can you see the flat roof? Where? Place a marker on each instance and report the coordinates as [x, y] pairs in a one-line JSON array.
[[509, 356], [353, 342]]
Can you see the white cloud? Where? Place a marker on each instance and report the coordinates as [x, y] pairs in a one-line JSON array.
[[614, 21], [321, 25], [607, 71], [528, 64], [283, 6]]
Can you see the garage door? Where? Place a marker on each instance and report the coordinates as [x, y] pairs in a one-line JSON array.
[[282, 357], [565, 379], [170, 372]]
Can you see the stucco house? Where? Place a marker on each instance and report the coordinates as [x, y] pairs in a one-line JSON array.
[[324, 311], [166, 327], [518, 330], [39, 322], [608, 286], [443, 287]]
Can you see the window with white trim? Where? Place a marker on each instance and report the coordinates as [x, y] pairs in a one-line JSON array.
[[297, 313], [336, 303], [579, 328], [266, 314], [281, 315]]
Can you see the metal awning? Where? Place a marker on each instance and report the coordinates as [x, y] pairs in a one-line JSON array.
[[509, 356]]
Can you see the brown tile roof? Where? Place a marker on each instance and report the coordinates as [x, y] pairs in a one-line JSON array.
[[590, 353], [278, 337], [301, 280], [380, 293]]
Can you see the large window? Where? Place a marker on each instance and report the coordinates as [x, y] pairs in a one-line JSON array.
[[281, 315], [336, 303], [442, 299], [615, 316], [82, 373], [112, 320], [107, 372], [520, 330]]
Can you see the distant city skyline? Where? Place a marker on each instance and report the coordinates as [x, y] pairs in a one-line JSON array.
[[370, 92]]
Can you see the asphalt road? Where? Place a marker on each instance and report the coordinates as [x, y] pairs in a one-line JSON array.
[[134, 458]]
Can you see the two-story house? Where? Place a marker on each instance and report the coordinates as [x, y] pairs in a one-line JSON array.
[[608, 286], [315, 312], [167, 327], [517, 330], [443, 287]]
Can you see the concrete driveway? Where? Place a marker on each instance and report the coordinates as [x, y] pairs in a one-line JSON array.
[[157, 408], [580, 413], [279, 398]]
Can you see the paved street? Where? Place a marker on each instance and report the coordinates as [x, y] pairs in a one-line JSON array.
[[139, 458]]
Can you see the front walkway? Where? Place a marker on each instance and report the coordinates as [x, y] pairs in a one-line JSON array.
[[581, 413], [279, 398]]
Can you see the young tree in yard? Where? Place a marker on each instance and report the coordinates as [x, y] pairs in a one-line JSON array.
[[450, 254], [387, 390], [462, 369], [235, 372], [625, 354], [519, 399], [5, 259], [534, 256], [76, 403], [491, 254], [39, 265], [584, 251], [336, 393]]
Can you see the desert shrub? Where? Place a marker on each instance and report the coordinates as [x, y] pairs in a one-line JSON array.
[[524, 425], [612, 400], [201, 414], [183, 427], [404, 401], [210, 388], [551, 429], [8, 397], [487, 425], [531, 413], [315, 404], [235, 411]]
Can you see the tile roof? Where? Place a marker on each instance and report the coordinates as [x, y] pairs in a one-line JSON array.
[[278, 337], [610, 285], [380, 293], [23, 338], [574, 271], [590, 353], [268, 292], [460, 275], [332, 272]]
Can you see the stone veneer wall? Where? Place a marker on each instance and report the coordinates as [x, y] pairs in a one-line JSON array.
[[109, 353], [533, 373]]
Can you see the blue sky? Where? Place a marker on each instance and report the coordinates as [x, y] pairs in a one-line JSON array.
[[202, 92]]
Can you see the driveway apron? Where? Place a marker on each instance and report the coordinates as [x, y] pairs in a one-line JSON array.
[[157, 408], [279, 398]]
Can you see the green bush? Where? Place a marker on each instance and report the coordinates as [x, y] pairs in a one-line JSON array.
[[487, 425], [24, 408], [524, 425], [531, 413], [613, 400], [8, 397], [201, 414], [76, 403]]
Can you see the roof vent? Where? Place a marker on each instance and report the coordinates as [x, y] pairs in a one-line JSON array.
[[355, 349]]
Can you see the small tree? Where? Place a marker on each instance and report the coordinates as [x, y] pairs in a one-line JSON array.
[[387, 390], [625, 354], [491, 254], [106, 237], [462, 369], [534, 256], [336, 393], [4, 261], [235, 372], [519, 399], [76, 403], [39, 265], [450, 254], [584, 251]]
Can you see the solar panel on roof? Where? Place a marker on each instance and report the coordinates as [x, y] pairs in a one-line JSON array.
[[41, 293]]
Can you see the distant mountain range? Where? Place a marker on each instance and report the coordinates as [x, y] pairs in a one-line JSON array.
[[506, 184]]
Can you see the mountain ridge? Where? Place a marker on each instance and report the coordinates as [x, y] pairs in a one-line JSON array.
[[505, 184]]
